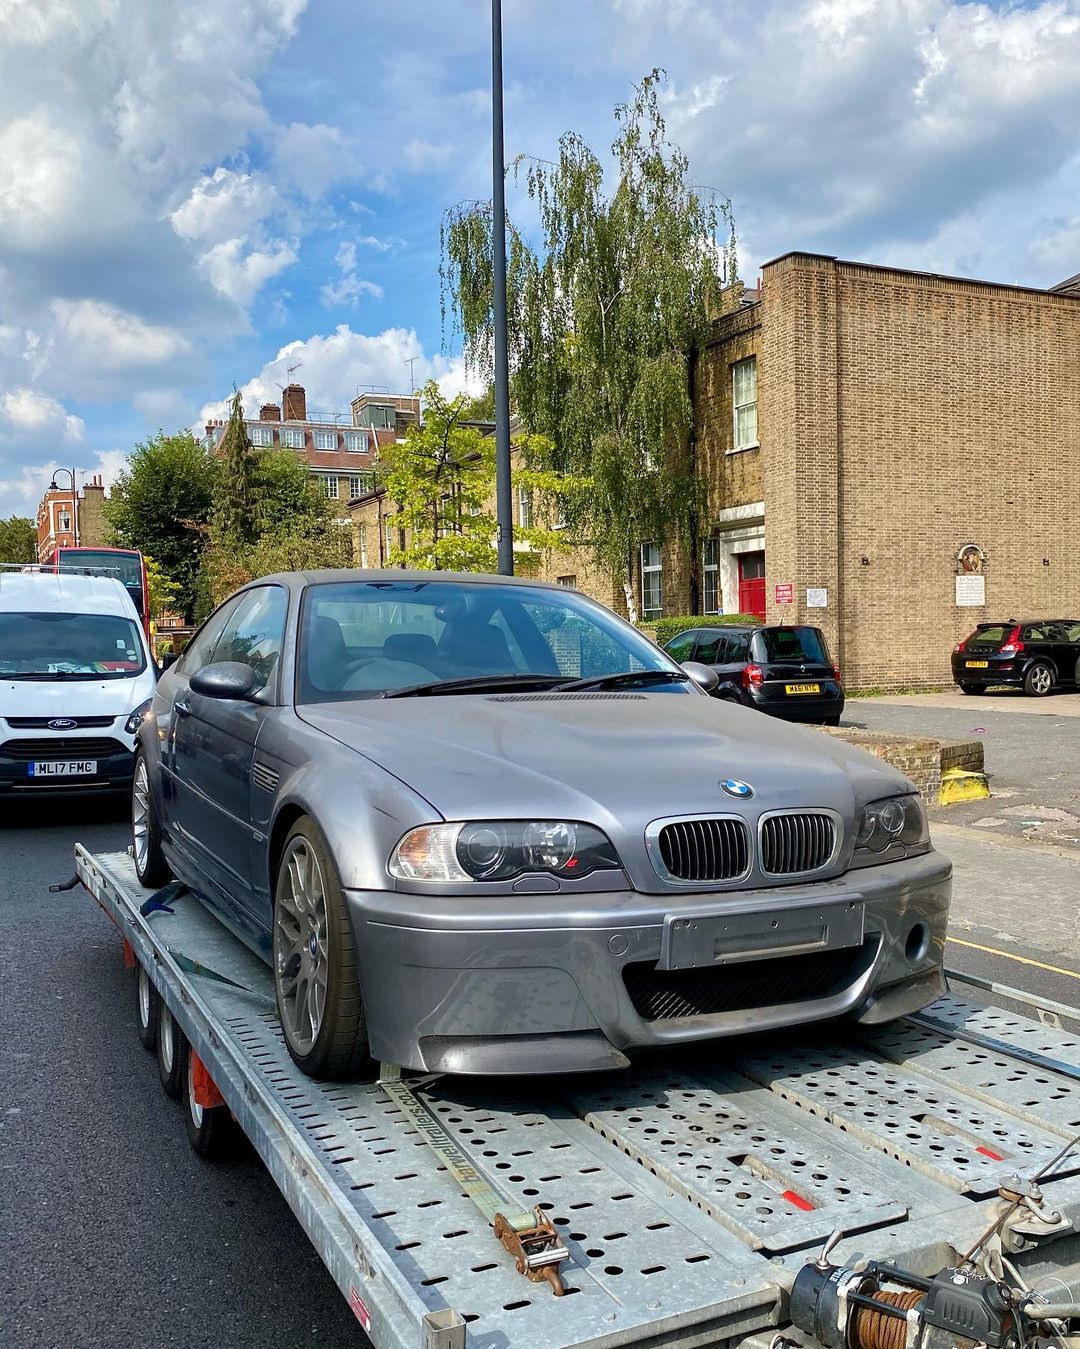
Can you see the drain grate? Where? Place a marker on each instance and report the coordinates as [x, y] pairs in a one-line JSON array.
[[967, 1145], [771, 1193]]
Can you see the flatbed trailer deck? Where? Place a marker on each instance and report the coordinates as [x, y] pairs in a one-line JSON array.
[[689, 1190]]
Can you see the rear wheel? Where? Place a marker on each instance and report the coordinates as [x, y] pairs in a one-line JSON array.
[[170, 1041], [150, 864], [972, 688], [1039, 680], [211, 1130], [316, 982], [147, 1007]]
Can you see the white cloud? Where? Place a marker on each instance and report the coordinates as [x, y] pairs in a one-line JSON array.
[[21, 491], [162, 407], [25, 410], [238, 270], [312, 158], [102, 335], [422, 154], [221, 200], [347, 289]]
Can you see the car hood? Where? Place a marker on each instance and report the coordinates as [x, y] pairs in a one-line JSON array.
[[619, 761], [74, 697]]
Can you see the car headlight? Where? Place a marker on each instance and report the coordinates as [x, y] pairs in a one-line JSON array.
[[890, 830], [498, 850], [137, 717]]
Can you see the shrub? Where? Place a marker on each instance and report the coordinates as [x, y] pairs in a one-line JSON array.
[[662, 630]]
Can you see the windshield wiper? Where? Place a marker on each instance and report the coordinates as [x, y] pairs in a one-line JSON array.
[[66, 674], [477, 683], [627, 677]]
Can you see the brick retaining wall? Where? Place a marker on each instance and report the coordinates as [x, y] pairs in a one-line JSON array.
[[921, 758]]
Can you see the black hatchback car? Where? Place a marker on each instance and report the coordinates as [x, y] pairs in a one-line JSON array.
[[785, 671], [1037, 655]]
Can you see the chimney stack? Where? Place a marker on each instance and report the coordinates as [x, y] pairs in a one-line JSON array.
[[269, 412], [294, 403]]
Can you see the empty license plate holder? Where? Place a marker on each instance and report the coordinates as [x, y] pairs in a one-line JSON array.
[[729, 938]]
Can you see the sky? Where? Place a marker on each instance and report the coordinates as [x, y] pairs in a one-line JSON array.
[[209, 192]]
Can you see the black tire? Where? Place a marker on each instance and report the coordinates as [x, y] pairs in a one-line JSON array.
[[338, 1045], [972, 689], [1038, 680], [170, 1053], [147, 1008], [150, 864], [831, 721], [212, 1132]]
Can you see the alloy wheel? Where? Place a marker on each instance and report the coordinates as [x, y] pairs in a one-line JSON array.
[[140, 815], [1040, 679], [193, 1105], [300, 954], [144, 997]]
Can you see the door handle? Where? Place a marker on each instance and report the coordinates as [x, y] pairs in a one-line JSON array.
[[182, 709]]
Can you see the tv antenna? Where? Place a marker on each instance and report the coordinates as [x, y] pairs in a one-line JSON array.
[[410, 361], [292, 369]]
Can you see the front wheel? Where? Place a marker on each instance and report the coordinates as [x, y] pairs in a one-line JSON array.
[[150, 864], [1039, 680], [316, 983]]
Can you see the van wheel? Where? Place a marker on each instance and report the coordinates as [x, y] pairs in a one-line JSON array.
[[316, 982], [1039, 680], [150, 864], [211, 1130], [170, 1045], [147, 1007]]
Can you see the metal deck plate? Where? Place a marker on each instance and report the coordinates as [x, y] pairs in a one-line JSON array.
[[953, 1014], [774, 1194], [968, 1146]]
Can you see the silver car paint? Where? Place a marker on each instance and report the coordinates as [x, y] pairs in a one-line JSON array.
[[451, 978]]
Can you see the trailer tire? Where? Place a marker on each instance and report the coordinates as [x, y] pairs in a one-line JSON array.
[[147, 1007], [211, 1130], [170, 1055], [150, 864], [313, 945]]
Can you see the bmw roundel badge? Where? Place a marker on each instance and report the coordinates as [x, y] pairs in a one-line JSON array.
[[733, 787]]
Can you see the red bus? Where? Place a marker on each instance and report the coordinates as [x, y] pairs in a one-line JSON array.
[[126, 564]]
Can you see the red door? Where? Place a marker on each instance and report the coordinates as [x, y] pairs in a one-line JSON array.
[[752, 584]]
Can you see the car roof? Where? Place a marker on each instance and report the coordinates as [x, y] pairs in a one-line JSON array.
[[386, 575], [49, 592]]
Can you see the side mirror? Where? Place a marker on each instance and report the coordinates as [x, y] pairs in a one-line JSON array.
[[227, 679], [168, 660], [703, 676]]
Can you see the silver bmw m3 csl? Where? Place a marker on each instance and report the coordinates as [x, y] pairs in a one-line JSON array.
[[482, 825]]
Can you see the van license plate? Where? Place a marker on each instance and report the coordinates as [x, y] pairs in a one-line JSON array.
[[802, 688], [64, 768], [978, 664]]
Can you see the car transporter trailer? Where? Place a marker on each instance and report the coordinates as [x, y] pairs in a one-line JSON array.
[[910, 1185]]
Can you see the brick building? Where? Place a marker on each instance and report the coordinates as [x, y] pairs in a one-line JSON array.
[[339, 454], [888, 448], [67, 516]]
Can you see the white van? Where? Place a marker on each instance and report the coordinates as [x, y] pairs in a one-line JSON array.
[[76, 678]]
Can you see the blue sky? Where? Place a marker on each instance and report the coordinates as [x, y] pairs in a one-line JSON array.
[[210, 191]]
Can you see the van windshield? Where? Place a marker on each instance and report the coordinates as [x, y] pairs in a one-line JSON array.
[[69, 646]]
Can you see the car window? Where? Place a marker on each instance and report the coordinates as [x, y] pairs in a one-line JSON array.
[[990, 634], [1071, 631], [738, 648], [790, 644], [681, 647], [1035, 632], [69, 646], [200, 650], [712, 647], [255, 630]]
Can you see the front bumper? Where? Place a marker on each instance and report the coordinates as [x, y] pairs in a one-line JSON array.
[[565, 989], [113, 774]]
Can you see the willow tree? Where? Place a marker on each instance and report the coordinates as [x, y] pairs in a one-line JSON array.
[[608, 304], [236, 510]]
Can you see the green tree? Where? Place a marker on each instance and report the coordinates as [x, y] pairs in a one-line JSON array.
[[164, 593], [236, 504], [606, 314], [441, 479], [161, 504], [18, 539]]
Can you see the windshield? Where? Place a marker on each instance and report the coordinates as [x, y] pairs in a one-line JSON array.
[[798, 645], [126, 567], [69, 646], [362, 639]]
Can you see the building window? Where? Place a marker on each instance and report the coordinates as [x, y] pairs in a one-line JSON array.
[[292, 438], [390, 540], [356, 441], [524, 506], [652, 581], [570, 582], [260, 435], [325, 440], [362, 540], [744, 400], [331, 488], [375, 414], [63, 522], [711, 597]]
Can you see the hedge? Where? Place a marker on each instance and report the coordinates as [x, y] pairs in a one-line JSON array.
[[662, 630]]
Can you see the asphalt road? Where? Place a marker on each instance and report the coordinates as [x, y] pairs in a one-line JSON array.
[[113, 1233]]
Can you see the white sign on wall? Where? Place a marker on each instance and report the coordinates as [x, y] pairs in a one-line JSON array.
[[817, 598], [970, 589]]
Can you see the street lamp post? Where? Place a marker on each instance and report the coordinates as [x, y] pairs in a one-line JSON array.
[[503, 499], [74, 498]]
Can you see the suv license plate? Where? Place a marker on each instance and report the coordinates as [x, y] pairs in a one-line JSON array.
[[64, 768], [978, 664], [802, 688]]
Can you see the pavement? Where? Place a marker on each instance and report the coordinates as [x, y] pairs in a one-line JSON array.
[[1032, 750]]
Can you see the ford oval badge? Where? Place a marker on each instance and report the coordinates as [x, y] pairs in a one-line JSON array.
[[62, 724], [733, 787]]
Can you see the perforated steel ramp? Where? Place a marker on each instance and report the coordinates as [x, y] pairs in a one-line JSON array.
[[688, 1192]]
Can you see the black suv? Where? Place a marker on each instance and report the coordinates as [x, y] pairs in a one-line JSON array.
[[1036, 655], [785, 671]]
